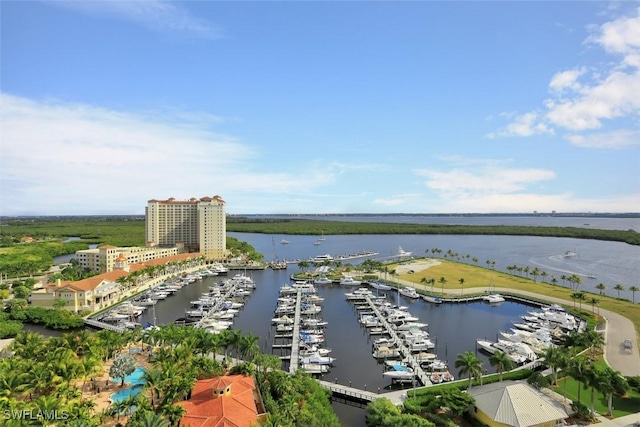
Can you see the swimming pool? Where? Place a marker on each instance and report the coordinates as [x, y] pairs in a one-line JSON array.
[[137, 384], [125, 393]]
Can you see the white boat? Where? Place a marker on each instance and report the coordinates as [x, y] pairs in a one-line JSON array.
[[317, 243], [282, 320], [409, 292], [420, 344], [493, 298], [380, 286], [399, 372], [317, 359], [314, 322], [284, 242], [349, 281], [569, 254], [314, 350], [321, 258], [403, 253], [386, 353], [322, 280], [311, 368], [384, 342]]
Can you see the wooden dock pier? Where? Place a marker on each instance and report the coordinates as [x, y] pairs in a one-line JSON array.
[[295, 343], [103, 325], [411, 360], [349, 392]]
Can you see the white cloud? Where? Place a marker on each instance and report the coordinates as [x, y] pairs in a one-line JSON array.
[[484, 180], [524, 125], [85, 159], [157, 15], [614, 139], [621, 35], [618, 95], [566, 80], [587, 99]]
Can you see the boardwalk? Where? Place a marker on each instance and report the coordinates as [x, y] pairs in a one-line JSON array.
[[349, 392], [102, 325], [295, 344], [410, 359]]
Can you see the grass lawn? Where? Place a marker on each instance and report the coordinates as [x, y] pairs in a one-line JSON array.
[[478, 276], [622, 406]]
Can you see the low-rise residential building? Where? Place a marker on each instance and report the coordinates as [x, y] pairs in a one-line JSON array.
[[104, 257], [103, 290]]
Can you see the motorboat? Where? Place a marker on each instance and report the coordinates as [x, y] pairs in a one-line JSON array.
[[447, 376], [403, 253], [317, 359], [384, 352], [380, 286], [493, 298], [420, 344], [282, 320], [436, 378], [409, 292], [322, 280], [349, 281], [381, 342], [312, 368], [322, 258], [284, 242], [399, 371], [314, 322], [309, 351]]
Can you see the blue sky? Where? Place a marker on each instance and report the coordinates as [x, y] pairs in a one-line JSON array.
[[320, 107]]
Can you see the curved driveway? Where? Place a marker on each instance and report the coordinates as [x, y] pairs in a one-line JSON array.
[[618, 329]]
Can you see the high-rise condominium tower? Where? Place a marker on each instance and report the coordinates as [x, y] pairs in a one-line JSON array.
[[198, 224]]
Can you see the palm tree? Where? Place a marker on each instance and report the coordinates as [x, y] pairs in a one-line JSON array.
[[468, 363], [611, 382], [592, 339], [442, 282], [601, 287], [633, 290], [618, 288], [501, 361], [554, 358], [461, 281]]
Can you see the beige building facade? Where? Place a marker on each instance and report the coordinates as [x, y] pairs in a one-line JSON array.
[[104, 257], [198, 225]]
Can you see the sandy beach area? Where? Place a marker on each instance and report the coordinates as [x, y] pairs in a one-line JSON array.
[[416, 265]]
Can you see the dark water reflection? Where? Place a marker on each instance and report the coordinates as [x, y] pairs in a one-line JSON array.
[[454, 327]]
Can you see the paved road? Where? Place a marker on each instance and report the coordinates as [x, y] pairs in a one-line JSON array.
[[618, 329]]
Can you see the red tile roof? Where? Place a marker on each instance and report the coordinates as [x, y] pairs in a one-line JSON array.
[[236, 409]]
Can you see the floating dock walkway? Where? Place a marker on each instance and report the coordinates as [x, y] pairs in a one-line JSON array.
[[295, 343], [410, 359]]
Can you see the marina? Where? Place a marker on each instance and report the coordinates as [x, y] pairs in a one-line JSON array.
[[453, 328]]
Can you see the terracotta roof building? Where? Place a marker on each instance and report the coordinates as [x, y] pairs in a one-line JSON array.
[[231, 400]]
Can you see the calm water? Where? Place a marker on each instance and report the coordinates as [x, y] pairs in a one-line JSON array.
[[631, 223], [456, 327]]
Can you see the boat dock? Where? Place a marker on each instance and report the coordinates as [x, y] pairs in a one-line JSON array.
[[295, 343], [411, 360], [103, 325], [349, 392]]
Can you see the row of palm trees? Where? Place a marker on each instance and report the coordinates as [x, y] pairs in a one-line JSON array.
[[565, 359]]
